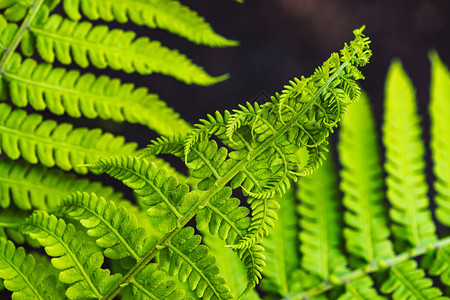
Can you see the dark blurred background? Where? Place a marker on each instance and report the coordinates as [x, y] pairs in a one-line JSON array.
[[282, 39]]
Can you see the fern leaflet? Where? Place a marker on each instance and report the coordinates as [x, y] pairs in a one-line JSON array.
[[407, 281], [407, 189], [169, 15], [40, 188], [62, 91], [281, 248], [366, 234], [440, 141], [319, 219], [25, 277], [51, 144], [86, 44], [190, 260], [78, 259], [113, 227]]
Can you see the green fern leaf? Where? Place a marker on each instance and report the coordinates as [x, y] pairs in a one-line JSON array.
[[319, 222], [190, 260], [224, 216], [25, 277], [78, 259], [281, 250], [51, 144], [113, 227], [406, 281], [407, 189], [41, 188], [15, 10], [155, 188], [438, 264], [440, 135], [168, 14], [230, 266], [367, 233], [86, 44], [152, 283], [361, 289], [62, 91]]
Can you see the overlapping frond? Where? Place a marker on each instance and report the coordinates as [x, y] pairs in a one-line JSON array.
[[367, 233], [438, 264], [51, 144], [63, 91], [406, 281], [155, 188], [224, 216], [320, 222], [440, 135], [405, 165], [79, 260], [114, 229], [152, 283], [282, 258], [230, 266], [85, 44], [170, 15], [36, 187], [361, 288], [191, 262], [25, 277]]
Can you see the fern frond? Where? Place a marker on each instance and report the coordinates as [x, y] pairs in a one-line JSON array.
[[281, 250], [166, 145], [25, 277], [78, 259], [86, 44], [154, 187], [37, 187], [361, 288], [262, 158], [367, 233], [62, 91], [407, 189], [440, 135], [263, 218], [191, 261], [14, 10], [230, 265], [224, 216], [406, 281], [320, 222], [152, 283], [438, 264], [51, 144], [113, 227], [169, 15]]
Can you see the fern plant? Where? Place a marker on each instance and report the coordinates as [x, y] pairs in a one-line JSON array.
[[216, 233], [256, 150]]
